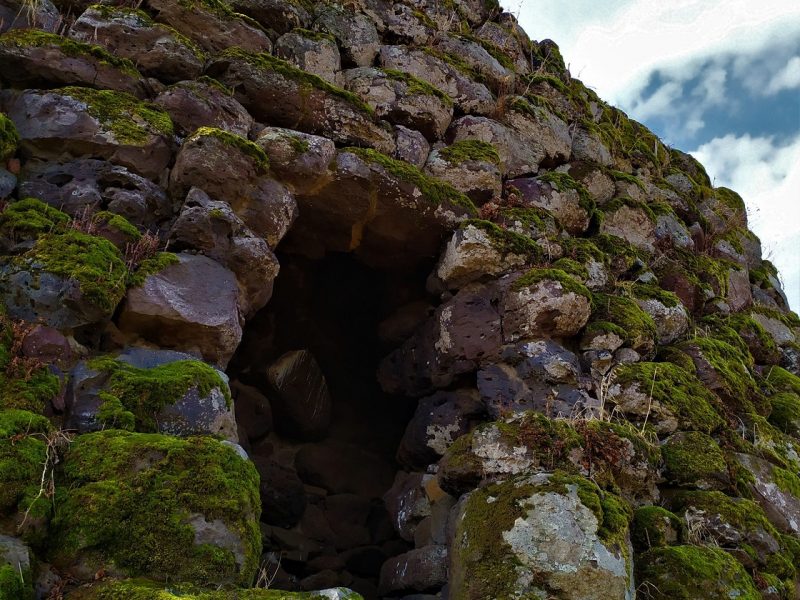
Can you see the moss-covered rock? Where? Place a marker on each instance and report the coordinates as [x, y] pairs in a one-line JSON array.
[[693, 573], [638, 327], [785, 413], [23, 450], [654, 526], [139, 589], [9, 138], [147, 504], [539, 536], [694, 459], [30, 217], [91, 262], [673, 397]]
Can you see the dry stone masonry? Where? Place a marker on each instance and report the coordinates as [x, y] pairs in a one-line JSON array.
[[371, 299]]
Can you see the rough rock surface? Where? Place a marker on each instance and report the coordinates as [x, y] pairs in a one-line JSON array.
[[486, 335]]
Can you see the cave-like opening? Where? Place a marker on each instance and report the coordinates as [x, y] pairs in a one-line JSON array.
[[326, 457]]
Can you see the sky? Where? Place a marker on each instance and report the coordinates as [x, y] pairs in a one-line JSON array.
[[719, 79]]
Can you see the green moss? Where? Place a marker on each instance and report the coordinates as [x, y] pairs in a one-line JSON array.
[[28, 391], [140, 589], [785, 413], [572, 267], [29, 218], [584, 250], [118, 223], [551, 80], [761, 276], [505, 241], [680, 391], [693, 573], [9, 138], [566, 281], [563, 182], [546, 58], [640, 329], [467, 150], [113, 415], [730, 199], [533, 219], [620, 201], [779, 379], [488, 566], [243, 145], [15, 585], [618, 253], [692, 458], [732, 367], [626, 177], [654, 526], [144, 392], [35, 38], [298, 144], [151, 266], [95, 263], [305, 80], [316, 36], [126, 499], [455, 61], [130, 120], [415, 85], [787, 481], [651, 291], [788, 318], [22, 457], [434, 191]]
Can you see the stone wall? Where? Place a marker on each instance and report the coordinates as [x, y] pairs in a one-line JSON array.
[[371, 299]]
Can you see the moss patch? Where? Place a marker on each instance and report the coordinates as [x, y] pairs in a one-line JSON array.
[[566, 281], [489, 567], [505, 241], [469, 150], [417, 86], [639, 327], [22, 458], [144, 392], [237, 142], [147, 590], [564, 182], [151, 266], [678, 390], [434, 191], [654, 526], [95, 263], [302, 78], [693, 573], [9, 138], [694, 459], [779, 379], [126, 499], [130, 120], [651, 291], [29, 218], [35, 38], [785, 413]]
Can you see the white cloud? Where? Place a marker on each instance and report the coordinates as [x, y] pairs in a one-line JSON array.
[[787, 78], [767, 175], [614, 49]]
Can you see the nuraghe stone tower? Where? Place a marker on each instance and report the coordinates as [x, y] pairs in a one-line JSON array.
[[371, 299]]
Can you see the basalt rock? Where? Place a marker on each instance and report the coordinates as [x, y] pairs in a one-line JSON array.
[[486, 335]]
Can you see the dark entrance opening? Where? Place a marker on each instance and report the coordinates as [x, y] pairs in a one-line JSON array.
[[324, 474]]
